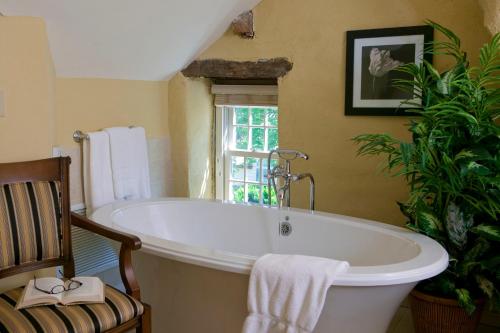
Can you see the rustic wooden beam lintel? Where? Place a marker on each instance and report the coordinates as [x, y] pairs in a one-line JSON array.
[[243, 25], [227, 69]]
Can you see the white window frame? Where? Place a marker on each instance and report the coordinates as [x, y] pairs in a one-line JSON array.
[[220, 149], [224, 122]]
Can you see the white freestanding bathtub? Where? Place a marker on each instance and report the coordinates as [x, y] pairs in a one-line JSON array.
[[196, 257]]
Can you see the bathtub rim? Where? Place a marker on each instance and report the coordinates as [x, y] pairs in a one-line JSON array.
[[430, 261]]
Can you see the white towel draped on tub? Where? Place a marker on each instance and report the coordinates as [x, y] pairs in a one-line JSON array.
[[287, 292], [129, 163], [98, 183]]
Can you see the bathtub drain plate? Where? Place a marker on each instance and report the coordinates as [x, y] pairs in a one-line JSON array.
[[285, 228]]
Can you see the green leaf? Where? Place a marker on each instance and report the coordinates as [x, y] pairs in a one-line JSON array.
[[419, 128], [442, 284], [432, 71], [407, 150], [489, 52], [491, 264], [475, 153], [428, 223], [446, 284], [481, 246], [466, 267], [464, 154], [485, 285], [475, 168], [465, 301], [490, 232], [444, 84]]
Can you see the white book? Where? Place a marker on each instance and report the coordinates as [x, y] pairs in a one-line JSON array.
[[91, 291]]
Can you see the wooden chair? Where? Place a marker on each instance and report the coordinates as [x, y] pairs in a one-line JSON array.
[[35, 233]]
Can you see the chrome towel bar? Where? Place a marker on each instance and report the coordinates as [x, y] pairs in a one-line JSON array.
[[79, 136]]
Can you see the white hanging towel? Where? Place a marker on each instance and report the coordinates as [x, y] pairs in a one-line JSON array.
[[141, 143], [98, 182], [129, 163], [287, 292]]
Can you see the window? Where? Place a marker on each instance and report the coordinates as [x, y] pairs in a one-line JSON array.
[[245, 136]]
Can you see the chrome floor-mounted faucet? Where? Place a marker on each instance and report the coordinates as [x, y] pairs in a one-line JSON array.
[[284, 172]]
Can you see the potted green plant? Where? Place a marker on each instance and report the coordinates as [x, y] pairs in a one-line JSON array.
[[451, 166]]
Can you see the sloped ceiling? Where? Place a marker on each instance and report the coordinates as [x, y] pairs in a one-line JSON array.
[[128, 39]]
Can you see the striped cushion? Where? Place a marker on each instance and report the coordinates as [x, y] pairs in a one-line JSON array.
[[83, 318], [30, 223]]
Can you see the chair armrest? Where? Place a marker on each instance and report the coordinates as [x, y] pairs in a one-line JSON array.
[[131, 241], [128, 244]]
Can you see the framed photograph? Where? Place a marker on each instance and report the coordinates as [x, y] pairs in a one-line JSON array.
[[371, 57]]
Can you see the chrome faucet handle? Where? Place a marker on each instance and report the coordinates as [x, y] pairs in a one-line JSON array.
[[289, 154], [300, 176], [278, 171]]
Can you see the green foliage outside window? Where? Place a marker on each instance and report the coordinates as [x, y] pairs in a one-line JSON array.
[[241, 116], [257, 134], [253, 195]]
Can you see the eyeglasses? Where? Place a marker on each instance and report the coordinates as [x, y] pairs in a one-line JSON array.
[[60, 288]]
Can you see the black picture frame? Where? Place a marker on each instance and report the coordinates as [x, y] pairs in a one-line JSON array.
[[367, 98]]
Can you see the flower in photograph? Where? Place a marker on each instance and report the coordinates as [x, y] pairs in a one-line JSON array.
[[381, 63]]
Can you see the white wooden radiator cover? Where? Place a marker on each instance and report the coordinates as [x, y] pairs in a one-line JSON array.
[[93, 253]]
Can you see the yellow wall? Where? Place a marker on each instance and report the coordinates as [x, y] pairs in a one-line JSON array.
[[491, 10], [311, 97], [27, 80], [190, 119], [93, 104]]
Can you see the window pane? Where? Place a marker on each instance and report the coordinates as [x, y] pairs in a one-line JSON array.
[[272, 138], [241, 116], [237, 192], [252, 166], [258, 116], [258, 139], [253, 193], [241, 137], [253, 131], [264, 168], [237, 168], [265, 196], [272, 116]]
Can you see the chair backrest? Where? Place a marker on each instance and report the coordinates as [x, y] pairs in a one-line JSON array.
[[35, 216]]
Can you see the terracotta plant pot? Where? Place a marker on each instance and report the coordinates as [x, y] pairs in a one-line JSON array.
[[433, 314]]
